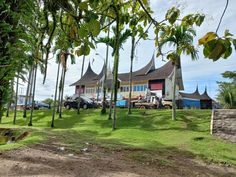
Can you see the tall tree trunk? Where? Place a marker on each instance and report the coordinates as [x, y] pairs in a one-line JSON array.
[[59, 93], [173, 94], [55, 96], [16, 98], [33, 102], [103, 111], [116, 62], [131, 72], [98, 89], [11, 98], [62, 91], [1, 105], [111, 99], [81, 75], [27, 93]]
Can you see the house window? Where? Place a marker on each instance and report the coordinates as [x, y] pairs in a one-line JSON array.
[[145, 87], [142, 88], [124, 88], [138, 87], [90, 90]]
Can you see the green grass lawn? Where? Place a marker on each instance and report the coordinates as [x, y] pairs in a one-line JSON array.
[[153, 131]]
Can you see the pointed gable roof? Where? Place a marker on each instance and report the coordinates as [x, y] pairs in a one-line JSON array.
[[196, 95], [146, 69], [89, 77], [149, 72], [205, 95]]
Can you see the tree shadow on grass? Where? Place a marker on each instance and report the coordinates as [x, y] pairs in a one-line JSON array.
[[154, 121]]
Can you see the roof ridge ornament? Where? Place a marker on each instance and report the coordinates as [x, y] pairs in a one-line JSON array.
[[152, 66]]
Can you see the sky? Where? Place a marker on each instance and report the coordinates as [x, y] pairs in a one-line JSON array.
[[203, 72]]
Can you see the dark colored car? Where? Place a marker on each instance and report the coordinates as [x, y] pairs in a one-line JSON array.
[[85, 103]]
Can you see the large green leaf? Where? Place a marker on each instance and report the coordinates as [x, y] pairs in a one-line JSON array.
[[208, 37], [83, 5], [199, 18], [234, 43], [82, 31], [228, 48], [172, 15], [83, 50], [94, 27]]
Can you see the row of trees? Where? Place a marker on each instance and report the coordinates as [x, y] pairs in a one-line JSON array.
[[31, 30]]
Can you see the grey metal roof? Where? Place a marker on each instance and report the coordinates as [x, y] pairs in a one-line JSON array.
[[148, 72], [196, 95]]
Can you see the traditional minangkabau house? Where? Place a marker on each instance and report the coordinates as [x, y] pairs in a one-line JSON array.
[[159, 81], [196, 100]]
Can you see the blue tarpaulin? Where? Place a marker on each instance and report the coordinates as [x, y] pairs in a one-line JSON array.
[[191, 103]]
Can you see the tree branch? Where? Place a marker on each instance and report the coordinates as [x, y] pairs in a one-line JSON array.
[[149, 15], [226, 5]]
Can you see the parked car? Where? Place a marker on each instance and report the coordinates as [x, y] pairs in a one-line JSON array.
[[85, 103], [41, 105]]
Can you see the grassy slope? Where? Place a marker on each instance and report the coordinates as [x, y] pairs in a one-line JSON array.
[[153, 130]]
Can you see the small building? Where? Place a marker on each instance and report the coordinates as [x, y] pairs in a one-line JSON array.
[[157, 80], [196, 100]]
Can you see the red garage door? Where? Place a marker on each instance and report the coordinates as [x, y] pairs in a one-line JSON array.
[[156, 86]]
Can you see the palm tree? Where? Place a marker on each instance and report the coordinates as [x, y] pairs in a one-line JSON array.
[[181, 38], [227, 95], [227, 90], [112, 43]]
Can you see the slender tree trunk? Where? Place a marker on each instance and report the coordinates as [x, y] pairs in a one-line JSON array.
[[11, 98], [33, 102], [116, 63], [110, 111], [81, 75], [131, 72], [1, 105], [103, 111], [173, 95], [62, 91], [59, 93], [31, 86], [27, 93], [55, 96], [98, 88], [16, 98]]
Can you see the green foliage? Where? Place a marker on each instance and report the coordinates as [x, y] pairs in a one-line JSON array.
[[172, 15], [48, 101], [227, 91], [215, 47], [111, 41]]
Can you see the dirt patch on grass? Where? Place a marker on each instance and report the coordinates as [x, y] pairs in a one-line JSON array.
[[46, 160]]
